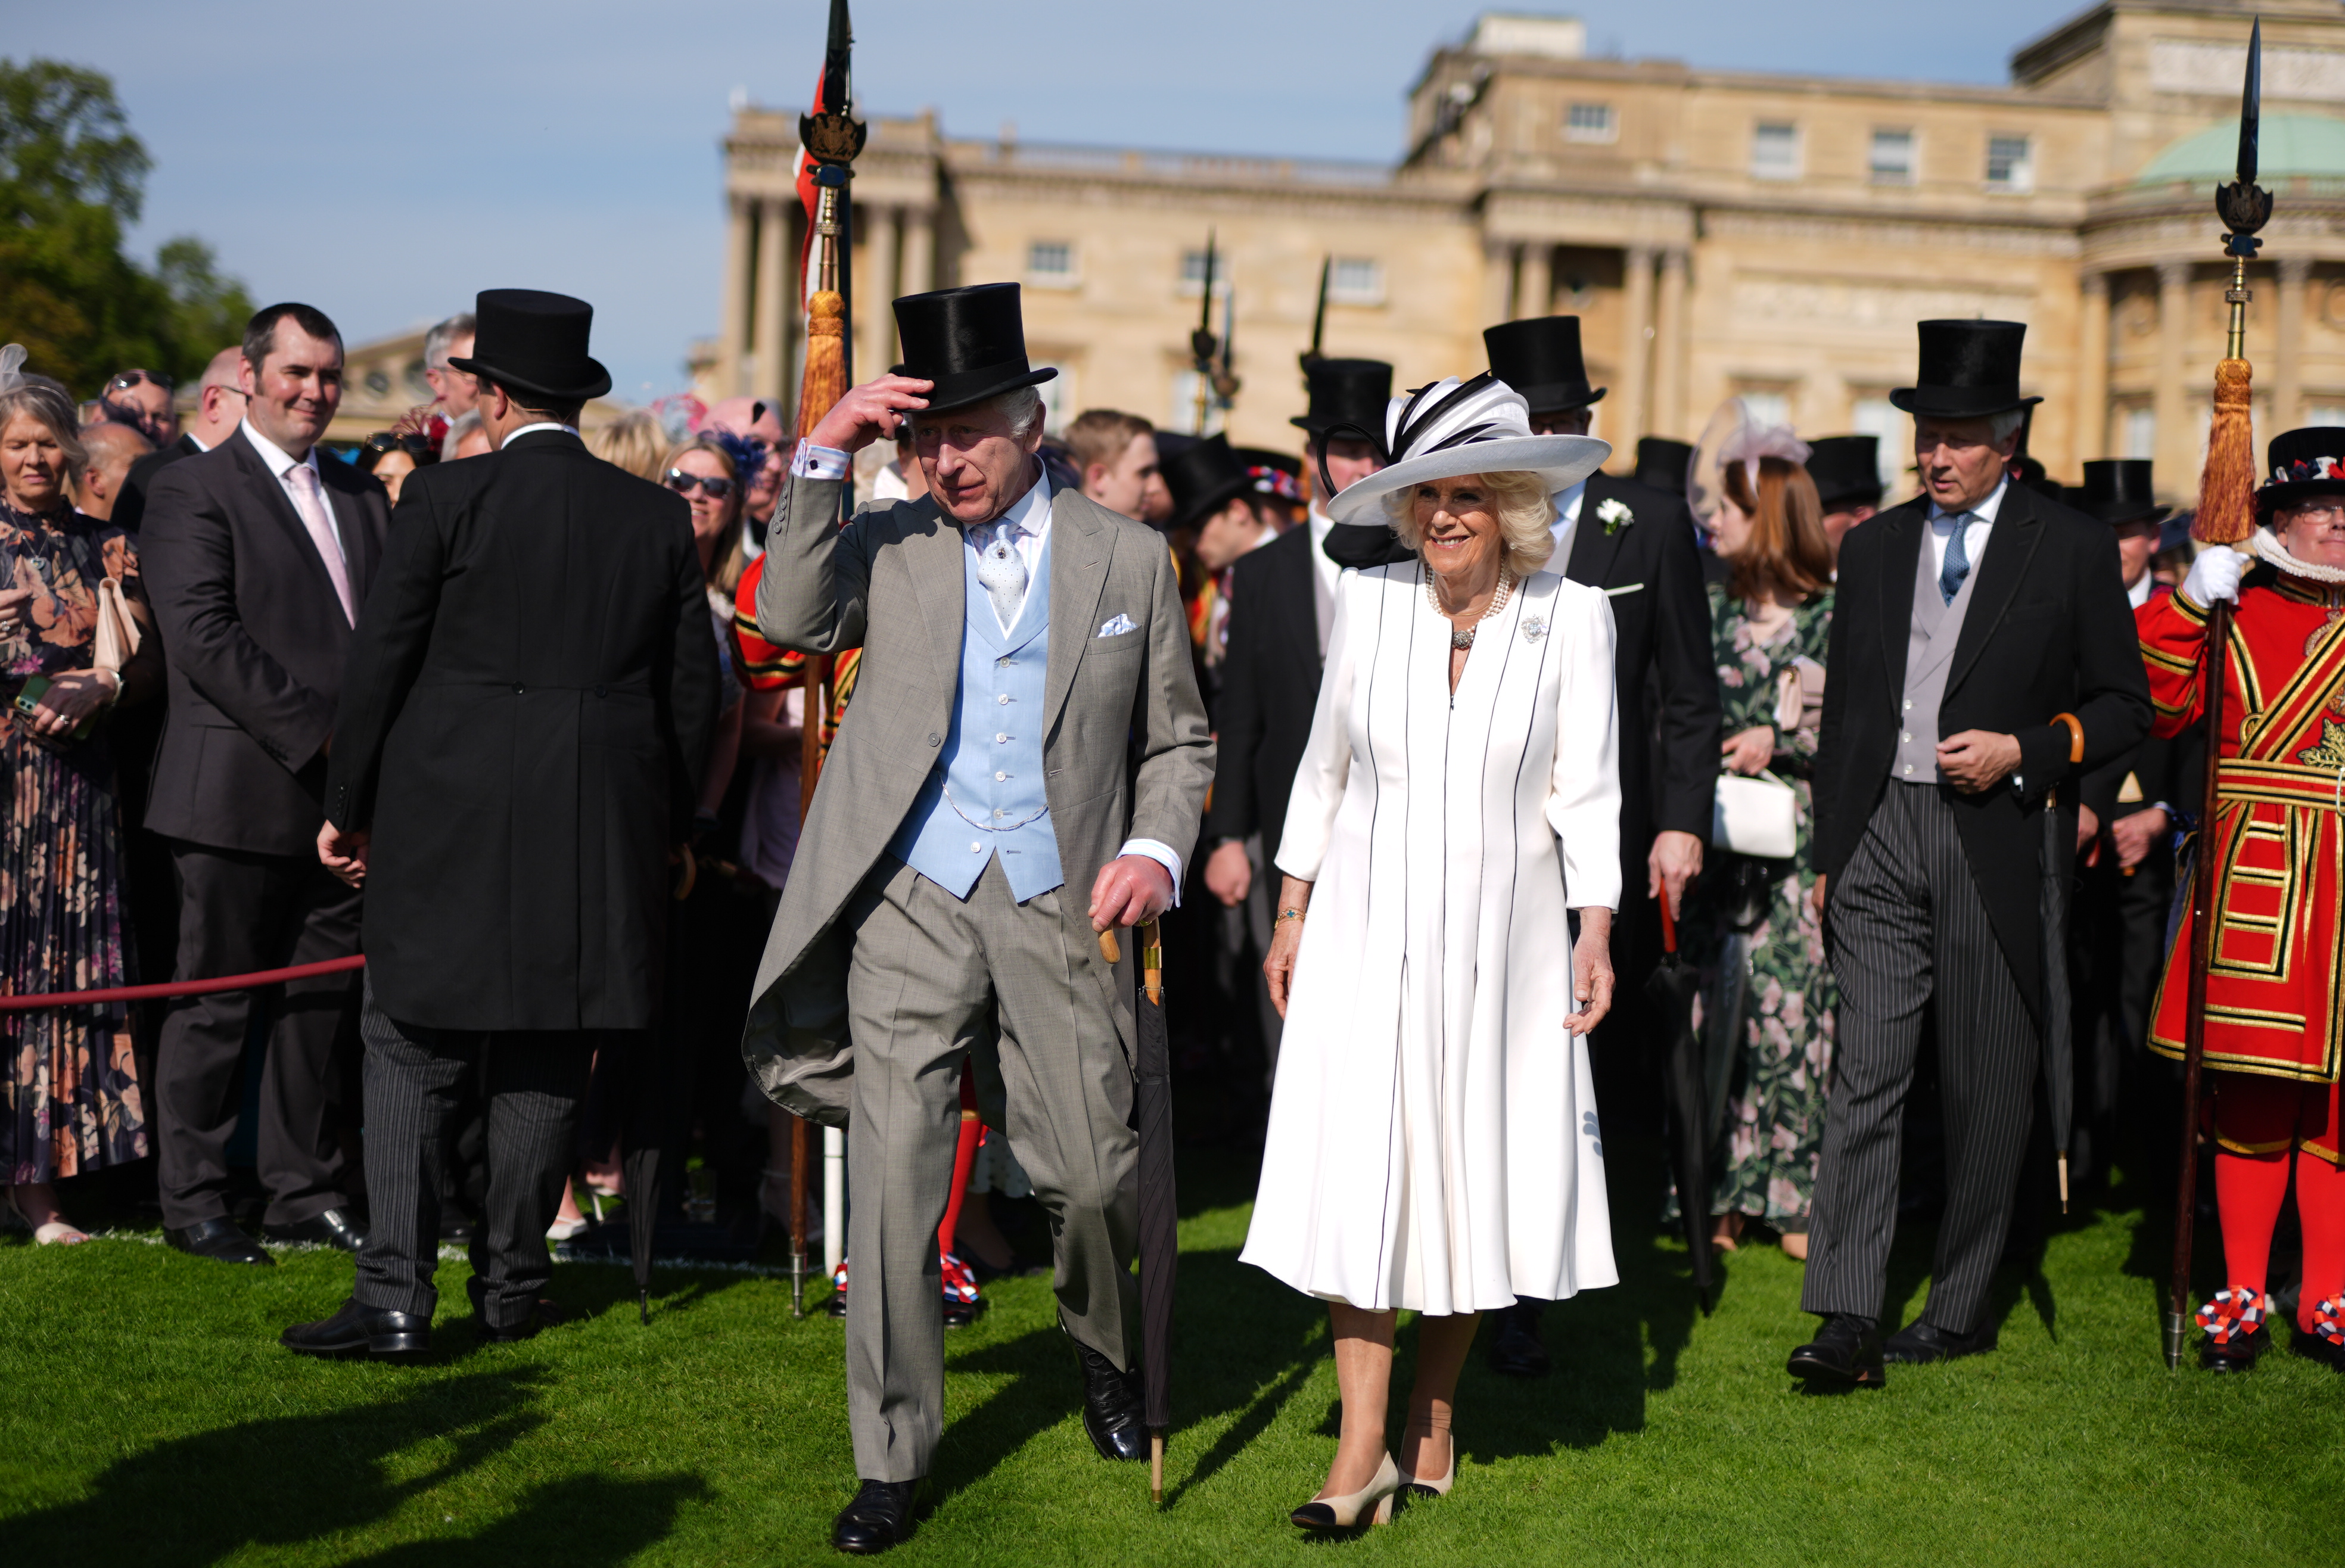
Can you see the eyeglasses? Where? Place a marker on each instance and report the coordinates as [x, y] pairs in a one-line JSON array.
[[129, 379], [715, 486], [2315, 512]]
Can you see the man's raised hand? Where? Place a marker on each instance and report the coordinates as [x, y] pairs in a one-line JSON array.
[[870, 412]]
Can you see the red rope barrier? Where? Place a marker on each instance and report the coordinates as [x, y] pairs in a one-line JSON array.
[[179, 988]]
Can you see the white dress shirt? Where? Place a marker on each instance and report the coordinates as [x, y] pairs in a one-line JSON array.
[[1974, 535], [1567, 503], [281, 463], [532, 430], [1031, 514], [2138, 595]]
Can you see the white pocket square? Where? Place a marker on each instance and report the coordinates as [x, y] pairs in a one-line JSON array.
[[1118, 626]]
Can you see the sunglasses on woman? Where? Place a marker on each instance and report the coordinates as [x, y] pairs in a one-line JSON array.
[[716, 487], [129, 379]]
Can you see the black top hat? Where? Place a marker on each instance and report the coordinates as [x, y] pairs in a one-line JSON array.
[[528, 341], [2117, 490], [1969, 369], [1662, 463], [1346, 392], [1847, 471], [1539, 358], [1203, 478], [971, 342], [1273, 473], [2303, 463]]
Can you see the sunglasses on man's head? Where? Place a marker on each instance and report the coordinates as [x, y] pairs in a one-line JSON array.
[[716, 487], [129, 379]]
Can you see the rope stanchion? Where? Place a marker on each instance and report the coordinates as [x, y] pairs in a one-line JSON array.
[[39, 999]]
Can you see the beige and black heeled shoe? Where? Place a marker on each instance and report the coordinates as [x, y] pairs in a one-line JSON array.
[[1373, 1504], [1415, 1486]]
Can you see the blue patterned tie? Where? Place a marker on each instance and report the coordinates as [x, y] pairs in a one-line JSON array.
[[1002, 573], [1958, 560]]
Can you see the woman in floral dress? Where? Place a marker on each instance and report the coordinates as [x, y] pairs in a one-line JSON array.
[[1752, 930], [72, 1094]]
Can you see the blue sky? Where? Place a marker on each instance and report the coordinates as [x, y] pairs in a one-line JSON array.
[[383, 163]]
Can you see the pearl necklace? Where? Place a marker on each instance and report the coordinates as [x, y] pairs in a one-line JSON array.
[[1462, 639]]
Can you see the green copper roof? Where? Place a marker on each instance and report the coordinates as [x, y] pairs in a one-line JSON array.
[[2290, 145]]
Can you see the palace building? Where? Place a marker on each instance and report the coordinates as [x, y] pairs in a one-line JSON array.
[[1719, 232]]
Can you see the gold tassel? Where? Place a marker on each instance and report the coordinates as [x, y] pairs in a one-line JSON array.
[[2226, 513], [825, 381]]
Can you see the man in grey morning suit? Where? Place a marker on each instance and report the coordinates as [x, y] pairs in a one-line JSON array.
[[1983, 659], [1026, 721]]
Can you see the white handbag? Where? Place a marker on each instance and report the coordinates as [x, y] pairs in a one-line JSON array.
[[1756, 817]]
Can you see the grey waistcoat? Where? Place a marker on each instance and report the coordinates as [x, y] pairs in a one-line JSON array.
[[1930, 641]]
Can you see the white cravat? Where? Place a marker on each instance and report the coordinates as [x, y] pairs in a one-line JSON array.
[[303, 489]]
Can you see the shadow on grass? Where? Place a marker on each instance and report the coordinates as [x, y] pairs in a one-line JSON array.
[[290, 1480]]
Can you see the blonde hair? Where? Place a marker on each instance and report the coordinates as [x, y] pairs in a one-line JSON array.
[[725, 571], [1525, 511], [633, 442]]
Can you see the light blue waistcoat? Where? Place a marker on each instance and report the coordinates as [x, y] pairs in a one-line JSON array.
[[984, 796]]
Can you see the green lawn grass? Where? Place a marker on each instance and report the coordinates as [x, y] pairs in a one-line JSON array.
[[147, 1417]]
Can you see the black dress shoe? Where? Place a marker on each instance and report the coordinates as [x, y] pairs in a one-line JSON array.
[[2240, 1354], [355, 1330], [327, 1228], [880, 1516], [1920, 1343], [1846, 1351], [2313, 1348], [1514, 1347], [220, 1241], [1111, 1408], [544, 1315]]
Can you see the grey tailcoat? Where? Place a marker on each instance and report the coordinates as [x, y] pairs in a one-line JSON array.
[[1126, 752]]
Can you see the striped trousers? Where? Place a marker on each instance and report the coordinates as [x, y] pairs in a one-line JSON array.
[[418, 1081], [1906, 930]]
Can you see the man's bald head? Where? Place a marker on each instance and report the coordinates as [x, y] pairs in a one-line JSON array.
[[219, 400], [112, 450]]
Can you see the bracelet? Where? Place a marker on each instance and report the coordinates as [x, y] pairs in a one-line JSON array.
[[1286, 915]]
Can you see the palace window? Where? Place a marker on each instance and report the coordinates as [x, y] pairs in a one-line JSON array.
[[1892, 157], [1874, 415], [1357, 280], [1590, 123], [1050, 264], [1193, 272], [1775, 150], [2009, 164]]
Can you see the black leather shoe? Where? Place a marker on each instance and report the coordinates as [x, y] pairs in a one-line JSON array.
[[2240, 1355], [1920, 1343], [2313, 1348], [327, 1228], [880, 1516], [355, 1330], [219, 1240], [456, 1223], [1846, 1351], [1514, 1347], [1111, 1408], [544, 1315]]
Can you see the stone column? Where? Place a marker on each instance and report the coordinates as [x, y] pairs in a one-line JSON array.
[[1535, 293], [1497, 282], [2092, 370], [2287, 378], [875, 289], [919, 263], [1636, 352], [1669, 344], [776, 311], [733, 311], [2178, 437]]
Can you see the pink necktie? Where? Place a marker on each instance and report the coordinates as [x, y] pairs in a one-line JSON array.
[[311, 504]]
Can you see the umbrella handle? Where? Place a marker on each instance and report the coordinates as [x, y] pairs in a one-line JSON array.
[[1109, 950], [1669, 925]]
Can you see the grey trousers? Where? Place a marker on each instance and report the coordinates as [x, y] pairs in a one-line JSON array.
[[1906, 929], [934, 979], [416, 1085]]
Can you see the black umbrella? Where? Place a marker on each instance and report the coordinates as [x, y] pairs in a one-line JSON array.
[[1160, 1240], [1670, 991], [2060, 1044]]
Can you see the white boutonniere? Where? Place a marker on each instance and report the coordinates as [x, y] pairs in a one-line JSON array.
[[1615, 514]]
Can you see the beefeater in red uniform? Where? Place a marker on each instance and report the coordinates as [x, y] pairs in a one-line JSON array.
[[2276, 840]]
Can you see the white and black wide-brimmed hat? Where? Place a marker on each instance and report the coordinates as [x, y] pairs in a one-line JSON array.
[[1453, 428]]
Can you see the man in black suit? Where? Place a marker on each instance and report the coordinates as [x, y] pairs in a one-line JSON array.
[[219, 408], [1637, 545], [258, 555], [1982, 658], [522, 720]]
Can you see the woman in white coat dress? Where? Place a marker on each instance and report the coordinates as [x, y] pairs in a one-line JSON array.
[[1433, 1140]]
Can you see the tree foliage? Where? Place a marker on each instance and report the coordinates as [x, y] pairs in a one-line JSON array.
[[72, 176]]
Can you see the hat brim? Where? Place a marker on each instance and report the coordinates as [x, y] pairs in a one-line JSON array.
[[1562, 396], [1856, 495], [2281, 494], [960, 391], [1561, 462], [1956, 402], [2118, 514], [598, 383], [1211, 502], [1372, 420]]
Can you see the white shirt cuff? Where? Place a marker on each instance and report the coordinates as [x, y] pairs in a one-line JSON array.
[[811, 462], [1162, 854]]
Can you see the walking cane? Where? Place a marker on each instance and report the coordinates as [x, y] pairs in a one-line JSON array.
[[2226, 517]]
